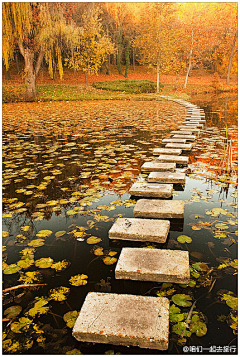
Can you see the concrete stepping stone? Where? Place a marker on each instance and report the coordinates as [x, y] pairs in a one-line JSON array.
[[176, 140], [124, 319], [185, 132], [192, 129], [157, 166], [179, 146], [160, 151], [160, 265], [194, 125], [174, 158], [144, 189], [137, 229], [187, 137], [167, 177], [159, 209]]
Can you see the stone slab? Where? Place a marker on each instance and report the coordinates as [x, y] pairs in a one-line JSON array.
[[187, 137], [174, 158], [167, 177], [194, 125], [159, 209], [160, 265], [122, 319], [186, 132], [193, 130], [138, 229], [157, 166], [179, 146], [144, 189], [160, 151], [176, 140]]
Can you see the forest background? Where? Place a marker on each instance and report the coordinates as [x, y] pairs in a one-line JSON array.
[[55, 51]]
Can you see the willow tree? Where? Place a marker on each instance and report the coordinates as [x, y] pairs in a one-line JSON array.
[[91, 45], [36, 29]]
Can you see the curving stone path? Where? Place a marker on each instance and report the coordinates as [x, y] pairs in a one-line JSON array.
[[121, 319]]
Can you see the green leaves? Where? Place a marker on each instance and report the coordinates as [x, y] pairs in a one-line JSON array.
[[182, 300], [70, 318], [44, 263], [12, 311], [11, 269], [198, 327], [184, 239]]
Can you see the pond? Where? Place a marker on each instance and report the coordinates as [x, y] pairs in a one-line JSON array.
[[67, 170]]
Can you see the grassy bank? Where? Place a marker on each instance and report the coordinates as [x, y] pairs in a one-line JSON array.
[[68, 92]]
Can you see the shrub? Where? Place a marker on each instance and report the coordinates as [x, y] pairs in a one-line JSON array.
[[127, 85]]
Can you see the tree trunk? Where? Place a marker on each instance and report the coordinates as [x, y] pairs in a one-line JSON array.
[[30, 71], [7, 74], [86, 79], [231, 58], [158, 77], [17, 64], [119, 53], [133, 59], [127, 57], [188, 70]]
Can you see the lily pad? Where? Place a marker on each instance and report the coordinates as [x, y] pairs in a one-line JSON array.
[[60, 234], [184, 239], [98, 251], [44, 233], [78, 280], [12, 311], [182, 300], [198, 327], [200, 266], [36, 243], [44, 263], [59, 294], [21, 325], [231, 301], [108, 260], [70, 318], [11, 269], [180, 327], [93, 240], [61, 265]]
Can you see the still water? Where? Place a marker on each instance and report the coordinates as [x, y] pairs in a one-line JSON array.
[[67, 169]]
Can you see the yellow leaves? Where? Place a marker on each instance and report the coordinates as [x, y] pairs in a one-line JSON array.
[[78, 280], [30, 277], [61, 265], [44, 233], [39, 307], [59, 294]]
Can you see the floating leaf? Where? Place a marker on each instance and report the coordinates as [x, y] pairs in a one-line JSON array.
[[21, 325], [44, 263], [221, 226], [231, 301], [75, 351], [11, 269], [93, 240], [12, 311], [59, 294], [36, 243], [182, 300], [180, 327], [200, 266], [196, 228], [44, 233], [184, 239], [25, 263], [198, 327], [70, 318], [78, 280], [98, 251], [25, 228], [60, 234], [61, 265], [108, 260], [5, 234], [30, 277], [39, 307]]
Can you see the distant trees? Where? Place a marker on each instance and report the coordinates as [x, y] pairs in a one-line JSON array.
[[170, 37], [91, 45]]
